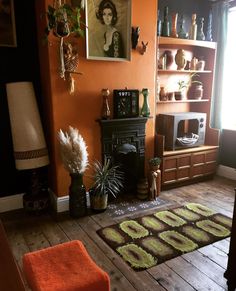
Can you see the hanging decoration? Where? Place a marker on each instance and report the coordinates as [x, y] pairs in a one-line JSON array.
[[64, 20]]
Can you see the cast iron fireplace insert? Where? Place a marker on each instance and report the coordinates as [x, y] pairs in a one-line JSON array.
[[123, 141]]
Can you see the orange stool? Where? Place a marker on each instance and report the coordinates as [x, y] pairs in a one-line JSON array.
[[64, 267]]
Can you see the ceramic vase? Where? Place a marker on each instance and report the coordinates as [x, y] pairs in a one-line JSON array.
[[174, 18], [145, 111], [166, 24], [180, 59], [106, 113], [77, 196]]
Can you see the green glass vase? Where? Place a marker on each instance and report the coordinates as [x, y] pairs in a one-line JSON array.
[[77, 196], [145, 111]]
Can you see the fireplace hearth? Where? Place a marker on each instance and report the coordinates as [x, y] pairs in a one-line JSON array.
[[123, 141]]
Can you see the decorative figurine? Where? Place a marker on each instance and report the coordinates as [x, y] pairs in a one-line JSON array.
[[135, 36], [166, 24], [182, 33], [193, 28], [200, 32], [106, 113], [143, 48]]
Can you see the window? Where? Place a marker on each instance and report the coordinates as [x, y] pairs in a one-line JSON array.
[[229, 81]]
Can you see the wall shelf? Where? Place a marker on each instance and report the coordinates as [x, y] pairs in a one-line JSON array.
[[184, 101], [186, 42], [183, 71]]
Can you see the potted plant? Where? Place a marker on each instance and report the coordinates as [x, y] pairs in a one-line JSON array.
[[195, 89], [184, 85], [64, 19], [74, 156], [108, 180], [154, 163]]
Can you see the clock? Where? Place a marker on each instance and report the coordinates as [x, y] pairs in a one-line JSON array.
[[126, 103]]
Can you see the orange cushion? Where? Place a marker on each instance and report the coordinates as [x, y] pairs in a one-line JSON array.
[[64, 267]]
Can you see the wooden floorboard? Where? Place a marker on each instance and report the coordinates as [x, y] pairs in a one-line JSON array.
[[202, 269]]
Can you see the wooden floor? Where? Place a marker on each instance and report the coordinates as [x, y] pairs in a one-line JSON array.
[[202, 269]]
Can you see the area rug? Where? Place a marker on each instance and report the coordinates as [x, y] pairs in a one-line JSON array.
[[152, 239], [131, 205]]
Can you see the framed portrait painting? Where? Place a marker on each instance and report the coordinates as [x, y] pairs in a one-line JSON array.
[[108, 30], [7, 24]]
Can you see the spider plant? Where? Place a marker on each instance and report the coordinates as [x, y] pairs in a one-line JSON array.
[[108, 179]]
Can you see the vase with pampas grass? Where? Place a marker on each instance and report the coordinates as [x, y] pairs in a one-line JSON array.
[[75, 160]]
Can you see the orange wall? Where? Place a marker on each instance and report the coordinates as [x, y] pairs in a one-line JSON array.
[[83, 108]]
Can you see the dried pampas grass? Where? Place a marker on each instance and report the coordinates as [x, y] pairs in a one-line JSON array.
[[73, 151]]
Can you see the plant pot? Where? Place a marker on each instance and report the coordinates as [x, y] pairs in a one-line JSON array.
[[179, 95], [98, 201]]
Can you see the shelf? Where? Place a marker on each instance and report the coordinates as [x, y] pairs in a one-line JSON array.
[[187, 42], [189, 150], [183, 71], [183, 101]]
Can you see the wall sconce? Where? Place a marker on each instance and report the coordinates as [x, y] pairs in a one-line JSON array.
[[30, 151]]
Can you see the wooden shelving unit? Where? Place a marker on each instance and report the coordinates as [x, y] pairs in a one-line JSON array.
[[187, 165]]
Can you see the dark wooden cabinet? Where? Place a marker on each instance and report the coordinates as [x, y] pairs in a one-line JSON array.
[[186, 166], [181, 163], [230, 273]]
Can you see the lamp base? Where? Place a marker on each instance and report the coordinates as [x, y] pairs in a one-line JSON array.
[[36, 203]]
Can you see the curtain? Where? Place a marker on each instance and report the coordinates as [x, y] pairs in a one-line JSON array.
[[219, 24]]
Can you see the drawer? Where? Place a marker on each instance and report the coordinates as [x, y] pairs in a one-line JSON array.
[[198, 170], [198, 158], [170, 163], [184, 161], [210, 167], [211, 156]]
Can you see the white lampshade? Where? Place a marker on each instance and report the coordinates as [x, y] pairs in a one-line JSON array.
[[29, 144]]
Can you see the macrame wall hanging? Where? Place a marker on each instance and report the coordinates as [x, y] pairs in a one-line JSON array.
[[65, 20]]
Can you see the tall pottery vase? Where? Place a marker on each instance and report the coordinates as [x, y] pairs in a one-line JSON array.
[[77, 196]]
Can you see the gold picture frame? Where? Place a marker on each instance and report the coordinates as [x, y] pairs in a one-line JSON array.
[[117, 45], [7, 24]]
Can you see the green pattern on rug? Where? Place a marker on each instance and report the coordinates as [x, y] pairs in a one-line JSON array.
[[152, 239]]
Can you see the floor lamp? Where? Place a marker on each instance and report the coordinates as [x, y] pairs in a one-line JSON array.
[[30, 151]]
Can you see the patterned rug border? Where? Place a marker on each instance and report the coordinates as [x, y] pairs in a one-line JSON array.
[[152, 239], [133, 207]]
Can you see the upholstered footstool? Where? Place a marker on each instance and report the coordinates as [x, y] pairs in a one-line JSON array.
[[64, 267]]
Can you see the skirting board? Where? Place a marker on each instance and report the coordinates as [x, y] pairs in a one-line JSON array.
[[226, 172], [12, 202], [61, 204]]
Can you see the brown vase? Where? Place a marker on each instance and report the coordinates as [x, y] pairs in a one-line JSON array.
[[142, 189]]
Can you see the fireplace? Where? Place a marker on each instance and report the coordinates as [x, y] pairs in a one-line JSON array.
[[123, 141]]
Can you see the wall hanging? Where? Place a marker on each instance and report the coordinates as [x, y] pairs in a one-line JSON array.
[[108, 25], [64, 20]]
